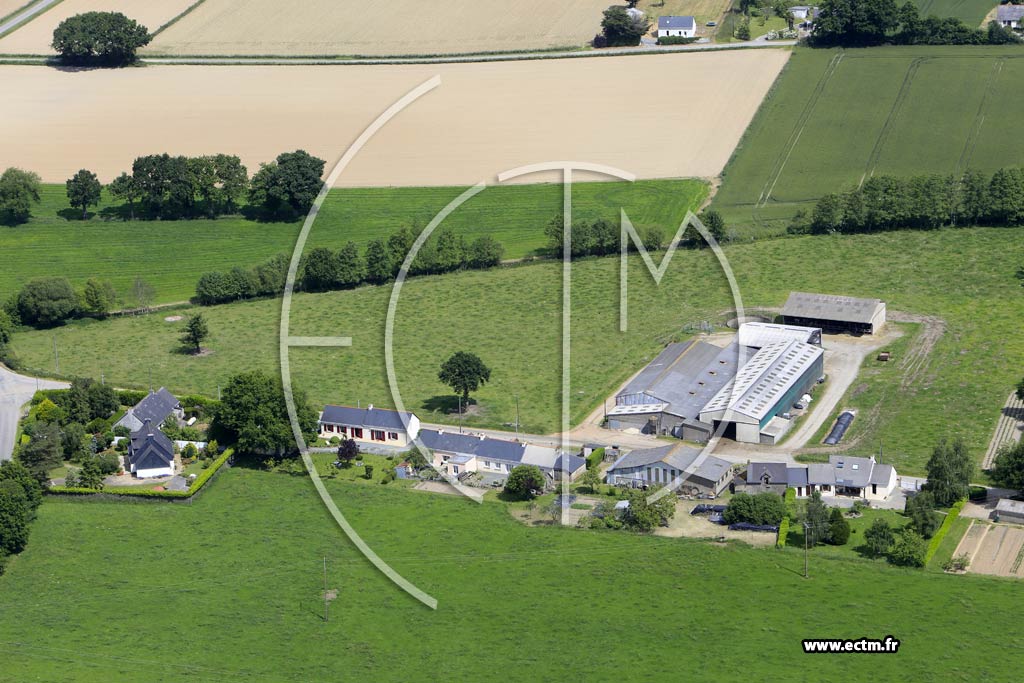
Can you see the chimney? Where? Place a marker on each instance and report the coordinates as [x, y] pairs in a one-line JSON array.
[[146, 425], [369, 407]]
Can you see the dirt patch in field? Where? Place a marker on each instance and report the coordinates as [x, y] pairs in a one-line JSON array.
[[484, 118], [174, 318], [35, 36], [399, 27]]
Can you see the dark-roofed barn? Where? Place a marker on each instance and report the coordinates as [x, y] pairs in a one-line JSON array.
[[834, 313]]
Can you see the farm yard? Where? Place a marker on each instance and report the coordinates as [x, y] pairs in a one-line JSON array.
[[34, 37], [995, 549], [702, 11], [251, 551], [515, 215], [837, 117], [484, 118], [965, 374], [402, 27]]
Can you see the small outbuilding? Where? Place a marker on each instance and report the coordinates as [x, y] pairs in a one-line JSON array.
[[680, 27], [1010, 511]]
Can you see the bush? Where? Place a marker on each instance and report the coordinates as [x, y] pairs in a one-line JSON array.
[[47, 301], [780, 540], [129, 397], [839, 528], [595, 458], [761, 508], [676, 40], [908, 549], [978, 493], [525, 482], [958, 563]]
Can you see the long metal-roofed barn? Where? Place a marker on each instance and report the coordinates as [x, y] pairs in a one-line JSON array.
[[667, 396], [767, 385], [834, 313]]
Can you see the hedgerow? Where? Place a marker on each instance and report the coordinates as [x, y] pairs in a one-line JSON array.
[[933, 545]]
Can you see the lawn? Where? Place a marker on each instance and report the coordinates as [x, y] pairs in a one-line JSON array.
[[171, 255], [835, 117], [511, 317], [233, 583]]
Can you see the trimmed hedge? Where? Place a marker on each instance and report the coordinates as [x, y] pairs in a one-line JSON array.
[[933, 545], [790, 496], [676, 40], [780, 541], [133, 492], [595, 458]]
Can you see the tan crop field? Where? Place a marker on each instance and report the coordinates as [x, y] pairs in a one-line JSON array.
[[658, 116], [35, 36], [399, 27], [10, 6]]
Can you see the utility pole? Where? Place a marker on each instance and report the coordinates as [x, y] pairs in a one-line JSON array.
[[807, 531], [460, 414], [517, 418], [326, 602]]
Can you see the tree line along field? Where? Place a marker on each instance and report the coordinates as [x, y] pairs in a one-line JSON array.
[[171, 255], [34, 36], [240, 597], [836, 117], [405, 27], [511, 318]]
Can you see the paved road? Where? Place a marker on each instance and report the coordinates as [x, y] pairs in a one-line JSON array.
[[26, 15], [15, 391]]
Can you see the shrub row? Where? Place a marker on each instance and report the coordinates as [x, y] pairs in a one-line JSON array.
[[933, 545], [595, 458], [676, 40]]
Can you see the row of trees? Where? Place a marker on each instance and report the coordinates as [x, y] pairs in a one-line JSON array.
[[873, 22], [919, 202], [601, 237], [323, 269], [49, 301], [20, 496], [169, 187]]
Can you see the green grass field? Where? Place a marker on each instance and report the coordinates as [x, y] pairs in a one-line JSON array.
[[230, 589], [969, 11], [171, 255], [511, 317], [835, 117]]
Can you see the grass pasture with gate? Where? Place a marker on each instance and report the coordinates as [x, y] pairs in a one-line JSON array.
[[241, 585], [836, 117]]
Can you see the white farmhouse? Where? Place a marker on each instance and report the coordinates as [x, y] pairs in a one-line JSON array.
[[369, 425], [682, 27]]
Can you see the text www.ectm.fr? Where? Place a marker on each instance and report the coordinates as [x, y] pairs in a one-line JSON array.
[[888, 645]]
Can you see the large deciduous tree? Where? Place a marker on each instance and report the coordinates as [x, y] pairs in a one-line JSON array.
[[108, 38], [43, 452], [253, 415], [19, 190], [124, 188], [949, 472], [855, 22], [464, 372], [817, 520], [47, 301], [1008, 467], [288, 186], [83, 190], [98, 297], [619, 27], [524, 482]]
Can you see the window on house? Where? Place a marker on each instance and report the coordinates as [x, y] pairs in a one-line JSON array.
[[455, 469], [649, 474], [393, 436], [328, 428], [343, 430], [487, 464], [376, 435], [357, 432]]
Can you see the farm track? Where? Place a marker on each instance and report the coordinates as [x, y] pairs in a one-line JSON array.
[[798, 129], [1006, 428], [890, 120], [979, 119]]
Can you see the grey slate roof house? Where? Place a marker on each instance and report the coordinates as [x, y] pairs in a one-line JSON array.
[[683, 26], [663, 464], [368, 425], [843, 475], [150, 452], [458, 454], [1010, 16], [156, 407]]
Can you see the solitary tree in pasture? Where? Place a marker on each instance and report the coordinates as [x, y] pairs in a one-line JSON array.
[[98, 297], [195, 332], [464, 372], [83, 191]]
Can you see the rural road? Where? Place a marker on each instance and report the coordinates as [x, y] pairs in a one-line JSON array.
[[15, 391], [25, 15]]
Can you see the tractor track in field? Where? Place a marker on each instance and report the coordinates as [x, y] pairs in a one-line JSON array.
[[798, 130], [890, 120], [979, 119], [1006, 430]]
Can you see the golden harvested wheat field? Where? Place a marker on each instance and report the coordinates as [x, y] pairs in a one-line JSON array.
[[399, 27], [9, 6], [35, 36], [657, 116]]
